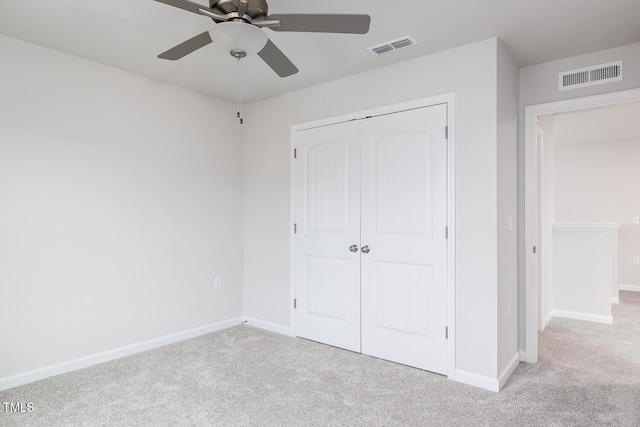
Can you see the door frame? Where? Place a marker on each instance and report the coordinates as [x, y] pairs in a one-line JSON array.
[[447, 99], [531, 114]]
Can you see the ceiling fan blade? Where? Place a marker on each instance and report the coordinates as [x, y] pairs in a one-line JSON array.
[[277, 60], [186, 47], [321, 23], [184, 4]]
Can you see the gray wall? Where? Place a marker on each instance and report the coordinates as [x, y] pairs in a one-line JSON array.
[[266, 136], [599, 183], [121, 201], [507, 187]]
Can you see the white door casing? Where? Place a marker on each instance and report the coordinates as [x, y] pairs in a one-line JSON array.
[[402, 188], [531, 203], [538, 146]]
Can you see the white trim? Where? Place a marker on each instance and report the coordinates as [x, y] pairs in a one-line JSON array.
[[634, 288], [523, 354], [268, 326], [530, 238], [476, 380], [292, 220], [615, 300], [586, 225], [117, 353], [446, 98], [508, 370], [582, 316], [547, 320], [530, 115], [450, 100], [451, 242]]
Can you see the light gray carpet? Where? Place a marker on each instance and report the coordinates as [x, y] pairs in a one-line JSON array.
[[588, 375]]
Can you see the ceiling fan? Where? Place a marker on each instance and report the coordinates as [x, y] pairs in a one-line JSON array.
[[238, 29]]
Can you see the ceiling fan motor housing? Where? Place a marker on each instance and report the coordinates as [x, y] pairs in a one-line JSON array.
[[257, 9]]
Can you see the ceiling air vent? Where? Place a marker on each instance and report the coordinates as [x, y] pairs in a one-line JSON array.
[[590, 76], [392, 45]]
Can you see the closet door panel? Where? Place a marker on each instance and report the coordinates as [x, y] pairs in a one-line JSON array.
[[403, 213], [327, 217]]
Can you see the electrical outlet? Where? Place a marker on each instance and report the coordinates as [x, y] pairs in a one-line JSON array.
[[636, 260], [217, 282], [636, 219]]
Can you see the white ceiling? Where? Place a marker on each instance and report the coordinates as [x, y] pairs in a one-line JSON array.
[[129, 34], [614, 123]]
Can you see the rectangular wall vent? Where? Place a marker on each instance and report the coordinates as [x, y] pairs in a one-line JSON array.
[[392, 45], [590, 76]]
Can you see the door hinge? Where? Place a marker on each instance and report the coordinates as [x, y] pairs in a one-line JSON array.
[[446, 232], [295, 153], [446, 332], [446, 132], [295, 303], [295, 228]]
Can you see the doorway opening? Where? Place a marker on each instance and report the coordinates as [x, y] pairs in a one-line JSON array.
[[537, 238]]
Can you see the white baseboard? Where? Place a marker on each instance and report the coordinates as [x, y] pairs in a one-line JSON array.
[[547, 320], [106, 356], [615, 300], [508, 370], [582, 316], [267, 326], [487, 383], [635, 288], [523, 355]]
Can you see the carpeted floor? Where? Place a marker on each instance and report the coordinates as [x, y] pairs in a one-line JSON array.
[[588, 375]]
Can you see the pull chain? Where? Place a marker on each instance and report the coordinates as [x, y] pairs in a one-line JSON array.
[[239, 114], [239, 54]]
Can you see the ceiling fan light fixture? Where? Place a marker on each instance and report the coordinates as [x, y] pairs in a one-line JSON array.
[[238, 36]]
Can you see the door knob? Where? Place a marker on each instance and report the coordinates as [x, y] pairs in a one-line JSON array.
[[353, 248], [365, 249]]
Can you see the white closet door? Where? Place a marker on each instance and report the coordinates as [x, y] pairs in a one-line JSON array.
[[404, 213], [327, 215]]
